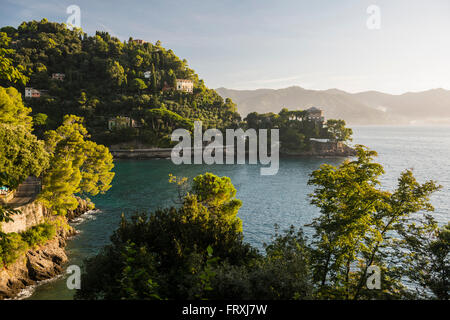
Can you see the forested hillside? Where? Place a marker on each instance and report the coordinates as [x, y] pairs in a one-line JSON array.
[[104, 78]]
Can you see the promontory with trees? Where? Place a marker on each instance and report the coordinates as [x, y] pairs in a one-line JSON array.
[[133, 93], [64, 95]]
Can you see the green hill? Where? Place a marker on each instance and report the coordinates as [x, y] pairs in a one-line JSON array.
[[104, 78]]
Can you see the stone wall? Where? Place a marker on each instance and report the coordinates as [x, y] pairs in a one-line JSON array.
[[32, 214]]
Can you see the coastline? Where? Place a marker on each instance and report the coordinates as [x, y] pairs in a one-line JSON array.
[[40, 264], [318, 149]]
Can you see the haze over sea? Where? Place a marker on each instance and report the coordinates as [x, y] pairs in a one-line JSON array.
[[142, 185]]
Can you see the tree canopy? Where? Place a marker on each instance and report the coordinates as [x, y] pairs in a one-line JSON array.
[[359, 224], [196, 251], [296, 129], [12, 110], [22, 155], [77, 165]]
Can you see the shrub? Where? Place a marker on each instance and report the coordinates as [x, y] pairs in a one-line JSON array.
[[13, 245], [39, 234]]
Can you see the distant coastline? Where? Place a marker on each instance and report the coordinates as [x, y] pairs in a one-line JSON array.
[[318, 149]]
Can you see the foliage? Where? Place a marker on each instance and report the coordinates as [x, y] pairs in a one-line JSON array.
[[196, 251], [39, 234], [214, 196], [77, 165], [12, 110], [22, 155], [358, 224], [182, 245], [337, 130], [5, 214], [296, 129], [14, 245], [9, 74], [104, 78], [40, 119], [426, 259], [282, 274]]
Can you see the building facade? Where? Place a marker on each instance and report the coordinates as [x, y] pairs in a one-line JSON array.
[[185, 85], [315, 114], [32, 93]]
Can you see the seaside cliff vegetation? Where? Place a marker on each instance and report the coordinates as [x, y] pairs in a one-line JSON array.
[[65, 161]]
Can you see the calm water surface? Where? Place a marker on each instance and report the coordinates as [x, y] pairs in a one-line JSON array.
[[142, 185]]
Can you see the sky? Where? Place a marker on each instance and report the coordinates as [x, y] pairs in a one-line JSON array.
[[394, 47]]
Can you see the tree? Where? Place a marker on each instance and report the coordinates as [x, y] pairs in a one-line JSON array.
[[154, 84], [426, 261], [337, 130], [40, 119], [358, 222], [22, 155], [8, 72], [138, 85], [230, 105], [215, 197], [12, 110], [76, 166], [282, 274], [170, 253], [117, 74]]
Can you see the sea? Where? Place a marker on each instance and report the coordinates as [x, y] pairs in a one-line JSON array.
[[282, 199]]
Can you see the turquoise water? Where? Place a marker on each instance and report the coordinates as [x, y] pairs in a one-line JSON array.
[[142, 185]]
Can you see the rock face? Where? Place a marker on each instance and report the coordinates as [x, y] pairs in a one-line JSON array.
[[44, 262], [83, 207], [41, 263]]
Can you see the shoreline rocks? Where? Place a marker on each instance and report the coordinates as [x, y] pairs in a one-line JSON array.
[[41, 263]]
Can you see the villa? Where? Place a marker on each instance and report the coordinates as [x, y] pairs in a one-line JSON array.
[[315, 114], [32, 93], [185, 85]]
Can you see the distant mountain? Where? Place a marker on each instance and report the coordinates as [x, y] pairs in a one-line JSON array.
[[369, 107]]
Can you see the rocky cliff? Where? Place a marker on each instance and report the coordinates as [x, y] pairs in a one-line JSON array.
[[44, 262], [40, 263]]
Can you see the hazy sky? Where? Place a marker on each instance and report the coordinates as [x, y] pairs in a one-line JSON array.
[[248, 44]]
